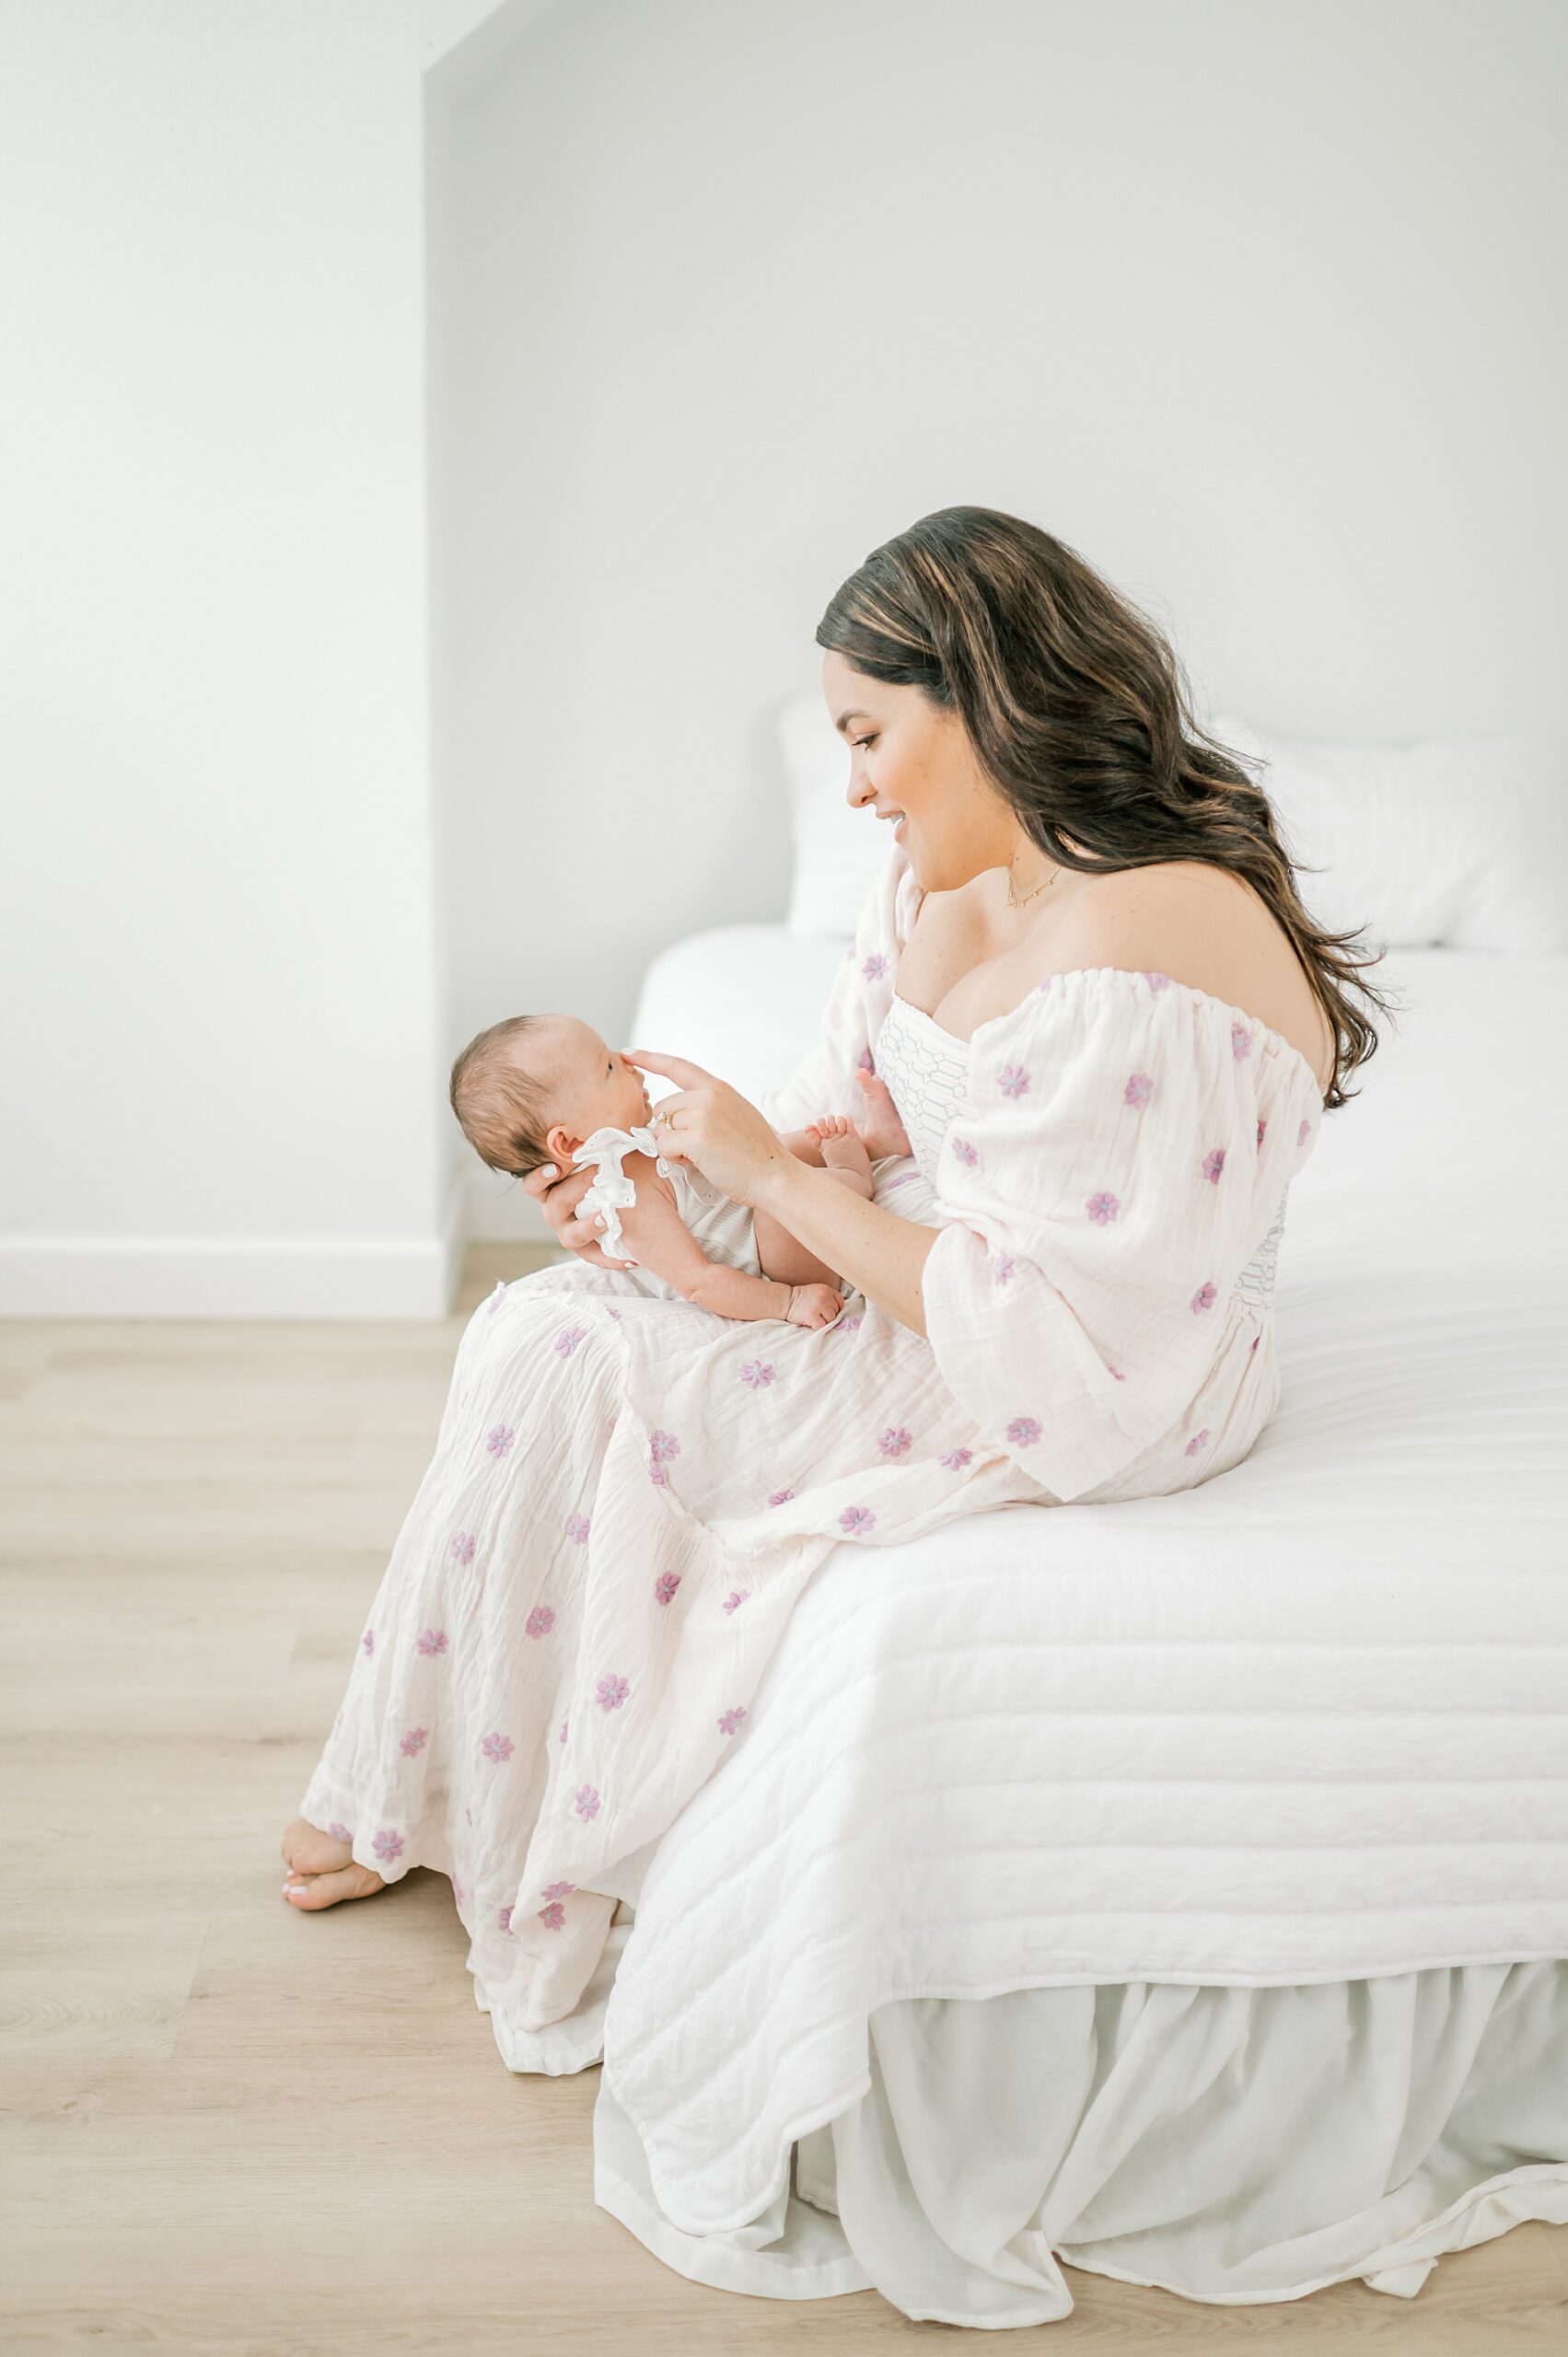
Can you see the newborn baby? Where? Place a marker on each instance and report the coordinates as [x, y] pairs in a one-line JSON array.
[[544, 1088]]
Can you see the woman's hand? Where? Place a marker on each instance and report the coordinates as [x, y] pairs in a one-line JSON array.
[[558, 1195], [708, 1123]]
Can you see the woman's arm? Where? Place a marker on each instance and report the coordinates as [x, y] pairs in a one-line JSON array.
[[876, 1252]]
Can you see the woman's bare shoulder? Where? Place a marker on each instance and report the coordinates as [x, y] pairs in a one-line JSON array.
[[1203, 927]]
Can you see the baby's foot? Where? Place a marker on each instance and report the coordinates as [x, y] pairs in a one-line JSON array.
[[842, 1147], [323, 1870], [880, 1125]]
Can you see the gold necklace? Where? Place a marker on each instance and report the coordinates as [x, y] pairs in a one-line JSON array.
[[1013, 900]]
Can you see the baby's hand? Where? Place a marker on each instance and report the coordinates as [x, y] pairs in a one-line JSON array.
[[813, 1306]]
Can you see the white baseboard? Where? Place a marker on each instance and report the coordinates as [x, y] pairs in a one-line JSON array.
[[297, 1276]]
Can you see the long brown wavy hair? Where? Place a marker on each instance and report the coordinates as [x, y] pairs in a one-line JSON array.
[[1081, 715]]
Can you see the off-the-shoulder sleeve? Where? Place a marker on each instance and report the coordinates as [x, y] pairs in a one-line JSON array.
[[824, 1081], [1130, 1141]]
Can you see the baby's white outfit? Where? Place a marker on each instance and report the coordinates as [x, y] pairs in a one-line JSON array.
[[725, 1230]]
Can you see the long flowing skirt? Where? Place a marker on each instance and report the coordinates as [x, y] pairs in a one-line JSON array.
[[627, 1495]]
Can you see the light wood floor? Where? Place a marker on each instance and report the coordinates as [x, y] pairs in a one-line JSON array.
[[233, 2128]]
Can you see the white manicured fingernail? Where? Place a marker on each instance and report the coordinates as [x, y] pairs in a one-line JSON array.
[[549, 1170]]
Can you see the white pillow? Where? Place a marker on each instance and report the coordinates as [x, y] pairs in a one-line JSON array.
[[839, 853], [1460, 843], [1457, 843]]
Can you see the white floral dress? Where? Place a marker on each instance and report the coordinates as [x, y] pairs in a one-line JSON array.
[[628, 1492]]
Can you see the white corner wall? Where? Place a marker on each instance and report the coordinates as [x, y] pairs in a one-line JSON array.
[[221, 979]]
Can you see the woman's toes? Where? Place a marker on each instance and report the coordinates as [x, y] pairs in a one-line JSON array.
[[307, 1851], [312, 1891]]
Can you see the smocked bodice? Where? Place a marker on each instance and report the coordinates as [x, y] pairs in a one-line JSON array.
[[927, 1071]]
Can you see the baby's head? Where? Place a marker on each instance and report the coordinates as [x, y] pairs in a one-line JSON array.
[[529, 1090]]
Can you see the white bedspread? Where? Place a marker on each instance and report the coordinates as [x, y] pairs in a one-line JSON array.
[[1308, 1721]]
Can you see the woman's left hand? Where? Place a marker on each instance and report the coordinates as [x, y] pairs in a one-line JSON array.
[[713, 1126]]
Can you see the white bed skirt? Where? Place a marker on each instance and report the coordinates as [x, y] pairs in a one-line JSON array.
[[1230, 2145]]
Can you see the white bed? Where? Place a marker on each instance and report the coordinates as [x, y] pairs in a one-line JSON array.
[[1263, 1981]]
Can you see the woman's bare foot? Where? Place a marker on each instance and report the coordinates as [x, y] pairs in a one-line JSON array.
[[880, 1126], [323, 1870]]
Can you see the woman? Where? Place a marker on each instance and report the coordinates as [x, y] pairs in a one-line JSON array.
[[1085, 987]]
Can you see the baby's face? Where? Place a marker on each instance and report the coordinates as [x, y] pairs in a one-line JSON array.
[[595, 1088]]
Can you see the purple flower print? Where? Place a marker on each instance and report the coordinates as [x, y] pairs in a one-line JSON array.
[[586, 1803], [568, 1339], [1204, 1298], [498, 1746], [957, 1458], [541, 1621], [463, 1545], [339, 1832], [658, 1477], [431, 1641], [848, 1326], [1046, 984], [1139, 1089], [560, 1735], [730, 1720], [662, 1445], [1196, 1443], [966, 1153], [1262, 1125], [855, 1520], [1002, 1268], [666, 1586], [1213, 1163], [1240, 1042], [614, 1313], [1023, 1431], [736, 1597], [894, 1440], [414, 1740], [368, 1640], [1253, 1344], [499, 1439], [577, 1527], [874, 967], [387, 1845], [756, 1372], [865, 1062], [1301, 1133], [553, 1916], [612, 1691], [1013, 1081], [504, 1919], [558, 1889], [1102, 1208], [780, 1497], [1116, 1371], [1157, 981]]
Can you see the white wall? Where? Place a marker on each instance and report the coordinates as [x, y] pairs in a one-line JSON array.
[[219, 970], [1255, 306]]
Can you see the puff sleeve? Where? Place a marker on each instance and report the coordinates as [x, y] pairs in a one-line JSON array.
[[824, 1081], [1121, 1153]]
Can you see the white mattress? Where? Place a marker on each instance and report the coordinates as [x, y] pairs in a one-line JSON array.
[[1308, 1721]]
